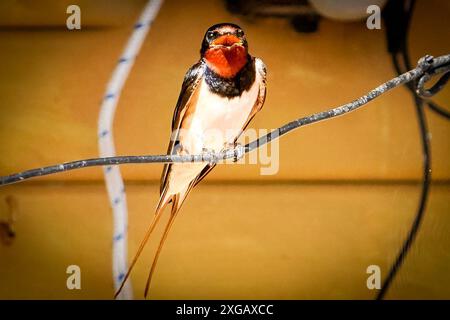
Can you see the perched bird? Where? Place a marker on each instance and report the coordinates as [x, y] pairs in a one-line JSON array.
[[220, 95]]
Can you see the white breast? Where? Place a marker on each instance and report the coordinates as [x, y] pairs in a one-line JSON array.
[[218, 120]]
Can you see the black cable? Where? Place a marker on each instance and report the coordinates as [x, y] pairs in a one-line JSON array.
[[426, 153], [438, 110], [426, 178]]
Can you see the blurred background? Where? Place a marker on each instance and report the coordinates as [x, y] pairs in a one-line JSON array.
[[344, 197]]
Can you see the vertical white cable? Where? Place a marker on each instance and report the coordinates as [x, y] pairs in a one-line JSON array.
[[113, 178]]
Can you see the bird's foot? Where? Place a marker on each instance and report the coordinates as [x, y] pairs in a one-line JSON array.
[[209, 155], [234, 150]]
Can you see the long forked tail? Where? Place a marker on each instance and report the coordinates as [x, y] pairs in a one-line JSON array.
[[175, 208], [177, 200], [163, 201]]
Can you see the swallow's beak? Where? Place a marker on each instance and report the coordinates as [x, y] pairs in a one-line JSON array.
[[226, 41]]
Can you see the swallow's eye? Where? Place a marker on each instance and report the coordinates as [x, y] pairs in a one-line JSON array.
[[239, 33], [210, 35]]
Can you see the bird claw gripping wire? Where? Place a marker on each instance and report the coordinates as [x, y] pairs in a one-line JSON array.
[[232, 151], [235, 151], [239, 152], [426, 65], [210, 156]]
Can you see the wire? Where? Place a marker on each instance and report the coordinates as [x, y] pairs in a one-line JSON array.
[[438, 110], [407, 61], [426, 64]]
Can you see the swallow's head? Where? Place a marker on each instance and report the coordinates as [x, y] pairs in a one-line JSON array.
[[224, 49]]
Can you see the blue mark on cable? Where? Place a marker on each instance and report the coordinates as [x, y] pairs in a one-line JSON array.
[[108, 169], [121, 276], [104, 133], [139, 25], [118, 237], [122, 60], [116, 200], [109, 96]]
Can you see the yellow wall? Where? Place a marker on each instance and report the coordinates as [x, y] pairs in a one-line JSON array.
[[284, 241], [52, 82]]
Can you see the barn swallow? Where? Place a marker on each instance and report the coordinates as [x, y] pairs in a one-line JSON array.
[[220, 95]]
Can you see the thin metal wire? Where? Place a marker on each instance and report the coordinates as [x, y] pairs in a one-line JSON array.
[[433, 106], [426, 64], [426, 93]]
